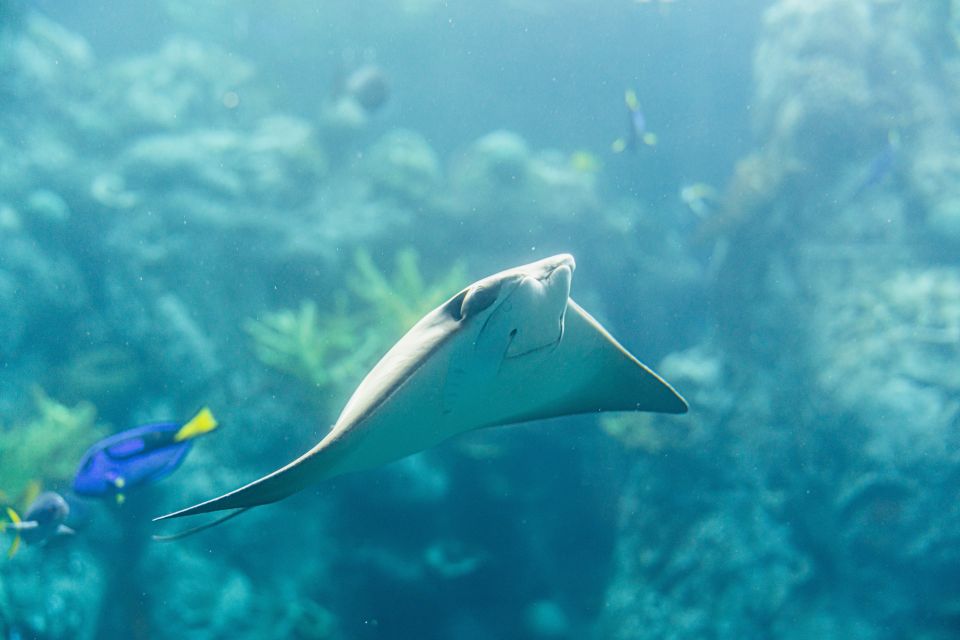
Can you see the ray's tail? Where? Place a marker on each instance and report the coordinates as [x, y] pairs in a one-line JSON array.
[[270, 488]]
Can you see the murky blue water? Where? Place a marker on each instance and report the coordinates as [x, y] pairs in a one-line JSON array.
[[243, 206]]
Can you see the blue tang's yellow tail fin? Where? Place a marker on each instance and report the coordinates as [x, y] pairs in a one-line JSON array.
[[15, 519], [202, 423]]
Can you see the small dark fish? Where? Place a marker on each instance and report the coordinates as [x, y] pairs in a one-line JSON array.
[[42, 520], [138, 456], [369, 86], [637, 133]]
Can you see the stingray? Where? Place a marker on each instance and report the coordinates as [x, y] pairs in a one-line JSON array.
[[510, 348]]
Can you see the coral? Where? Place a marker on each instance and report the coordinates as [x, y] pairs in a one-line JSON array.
[[276, 164], [43, 60], [500, 177], [701, 563], [334, 349], [490, 177], [322, 350], [47, 446], [934, 174], [184, 84], [47, 206], [403, 165], [405, 298], [812, 81], [547, 619], [312, 621], [58, 593], [894, 345]]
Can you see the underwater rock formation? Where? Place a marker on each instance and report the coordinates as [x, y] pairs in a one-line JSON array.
[[499, 177], [403, 165], [72, 584], [894, 344], [836, 321], [182, 85], [277, 164]]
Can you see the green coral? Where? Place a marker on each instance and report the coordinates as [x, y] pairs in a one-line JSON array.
[[403, 299], [334, 349], [46, 447], [321, 349]]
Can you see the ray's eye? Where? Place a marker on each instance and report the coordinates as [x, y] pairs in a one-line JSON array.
[[478, 299]]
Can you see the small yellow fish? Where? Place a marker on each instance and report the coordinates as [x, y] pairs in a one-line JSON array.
[[584, 162]]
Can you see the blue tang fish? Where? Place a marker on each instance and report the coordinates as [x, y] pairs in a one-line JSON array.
[[138, 456], [637, 133], [43, 519]]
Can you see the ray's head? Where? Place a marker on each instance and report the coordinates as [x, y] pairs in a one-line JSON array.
[[521, 309]]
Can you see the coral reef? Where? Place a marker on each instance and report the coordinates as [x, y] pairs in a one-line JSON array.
[[175, 231], [73, 586], [403, 165], [894, 346], [276, 164], [176, 87], [499, 177], [836, 331]]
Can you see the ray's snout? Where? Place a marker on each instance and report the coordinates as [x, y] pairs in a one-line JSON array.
[[545, 268]]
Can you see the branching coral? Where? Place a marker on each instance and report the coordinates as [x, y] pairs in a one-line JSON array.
[[403, 299], [330, 349], [47, 446], [321, 349]]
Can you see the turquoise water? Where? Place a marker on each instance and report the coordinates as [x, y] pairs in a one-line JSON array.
[[243, 206]]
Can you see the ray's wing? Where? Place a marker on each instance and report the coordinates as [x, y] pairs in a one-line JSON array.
[[588, 372]]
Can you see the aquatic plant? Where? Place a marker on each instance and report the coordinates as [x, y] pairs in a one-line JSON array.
[[46, 446]]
